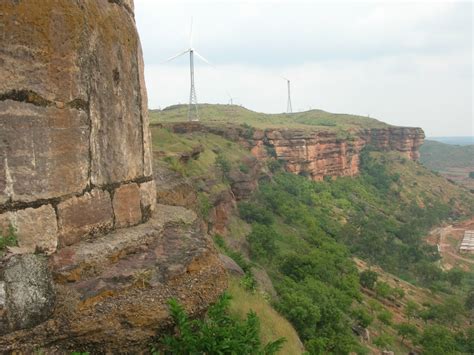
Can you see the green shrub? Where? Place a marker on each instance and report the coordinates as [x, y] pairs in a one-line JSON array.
[[175, 165], [222, 164], [271, 152], [438, 340], [383, 341], [204, 205], [385, 317], [275, 165], [362, 317], [248, 281], [8, 240], [218, 333], [383, 290], [248, 131], [250, 213], [368, 278], [407, 331], [244, 168], [262, 241]]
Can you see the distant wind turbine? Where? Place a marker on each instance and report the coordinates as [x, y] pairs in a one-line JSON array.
[[289, 108], [193, 114], [231, 98]]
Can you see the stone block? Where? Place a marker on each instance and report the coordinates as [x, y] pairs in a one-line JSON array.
[[37, 229], [85, 215], [126, 204], [28, 292], [148, 196], [43, 151]]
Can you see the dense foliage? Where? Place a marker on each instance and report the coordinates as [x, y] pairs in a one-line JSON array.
[[218, 333], [305, 233]]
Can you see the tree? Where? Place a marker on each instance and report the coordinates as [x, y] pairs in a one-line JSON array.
[[385, 317], [412, 309], [383, 289], [469, 303], [217, 334], [407, 331], [438, 340], [362, 317], [222, 164], [262, 240], [383, 341], [368, 278], [455, 277]]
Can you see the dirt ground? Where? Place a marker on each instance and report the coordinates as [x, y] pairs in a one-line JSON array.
[[448, 239]]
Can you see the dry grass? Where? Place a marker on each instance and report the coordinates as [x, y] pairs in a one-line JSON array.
[[219, 114], [273, 325]]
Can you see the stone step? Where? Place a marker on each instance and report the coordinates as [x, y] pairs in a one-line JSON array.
[[113, 297], [90, 258]]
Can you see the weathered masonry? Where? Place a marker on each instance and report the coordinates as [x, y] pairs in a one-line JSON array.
[[74, 140]]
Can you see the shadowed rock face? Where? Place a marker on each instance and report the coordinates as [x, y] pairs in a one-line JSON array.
[[73, 121]]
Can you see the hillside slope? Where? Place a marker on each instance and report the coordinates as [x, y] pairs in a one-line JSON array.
[[296, 238], [455, 162]]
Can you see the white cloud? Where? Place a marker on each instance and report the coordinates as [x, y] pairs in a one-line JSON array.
[[405, 63]]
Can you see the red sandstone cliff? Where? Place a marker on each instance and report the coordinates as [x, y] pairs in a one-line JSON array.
[[317, 153]]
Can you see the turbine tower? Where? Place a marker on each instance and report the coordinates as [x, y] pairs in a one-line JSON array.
[[289, 108], [193, 114]]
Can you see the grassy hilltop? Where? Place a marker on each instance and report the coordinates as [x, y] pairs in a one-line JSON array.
[[217, 114]]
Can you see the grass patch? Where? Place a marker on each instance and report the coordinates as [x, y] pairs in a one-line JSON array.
[[273, 325], [218, 114]]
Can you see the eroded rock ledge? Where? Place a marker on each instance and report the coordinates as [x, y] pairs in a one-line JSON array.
[[111, 292], [316, 153]]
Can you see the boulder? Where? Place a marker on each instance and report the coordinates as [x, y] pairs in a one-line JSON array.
[[230, 265], [28, 292]]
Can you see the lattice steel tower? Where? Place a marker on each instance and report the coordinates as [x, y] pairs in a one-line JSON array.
[[193, 114], [289, 109], [193, 105]]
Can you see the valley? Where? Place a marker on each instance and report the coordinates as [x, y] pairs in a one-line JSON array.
[[292, 230]]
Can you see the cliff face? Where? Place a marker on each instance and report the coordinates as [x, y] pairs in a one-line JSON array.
[[320, 154], [317, 153]]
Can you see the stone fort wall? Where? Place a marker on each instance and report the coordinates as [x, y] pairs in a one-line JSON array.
[[75, 148]]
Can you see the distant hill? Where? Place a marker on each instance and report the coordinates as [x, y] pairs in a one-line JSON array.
[[467, 140], [440, 156], [232, 113], [455, 162]]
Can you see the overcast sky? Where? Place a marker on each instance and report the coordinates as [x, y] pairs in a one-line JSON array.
[[405, 63]]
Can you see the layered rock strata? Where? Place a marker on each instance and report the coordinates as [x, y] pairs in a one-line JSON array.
[[316, 153], [75, 155]]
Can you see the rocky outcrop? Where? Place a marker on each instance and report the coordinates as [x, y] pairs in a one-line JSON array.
[[324, 153], [97, 259], [316, 153], [111, 294], [74, 133]]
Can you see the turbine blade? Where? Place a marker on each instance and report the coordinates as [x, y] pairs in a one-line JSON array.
[[203, 59], [191, 34], [175, 56]]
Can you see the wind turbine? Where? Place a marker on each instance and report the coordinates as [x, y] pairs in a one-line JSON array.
[[289, 109], [193, 114]]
